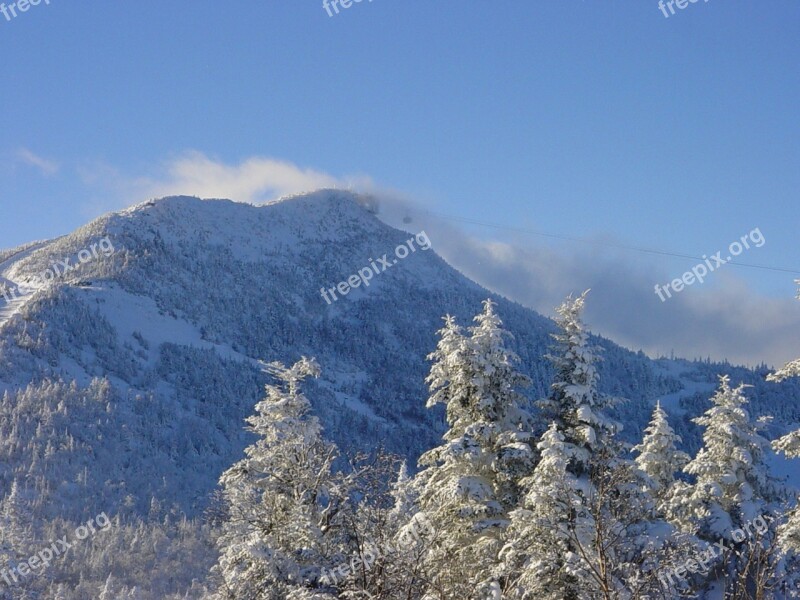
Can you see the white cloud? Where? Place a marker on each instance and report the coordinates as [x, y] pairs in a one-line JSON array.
[[724, 318], [255, 180], [46, 167]]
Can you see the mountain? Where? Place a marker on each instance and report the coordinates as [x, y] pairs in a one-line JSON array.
[[131, 349]]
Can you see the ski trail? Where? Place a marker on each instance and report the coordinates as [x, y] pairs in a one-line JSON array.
[[21, 254], [683, 371], [16, 295]]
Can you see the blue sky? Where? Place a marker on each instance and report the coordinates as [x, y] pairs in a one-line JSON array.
[[597, 120]]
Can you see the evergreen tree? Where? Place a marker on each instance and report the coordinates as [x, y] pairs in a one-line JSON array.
[[788, 445], [575, 403], [540, 558], [109, 591], [587, 515], [733, 484], [386, 538], [790, 369], [17, 520], [410, 538], [788, 533], [472, 480], [282, 499], [789, 530], [404, 496], [16, 540], [658, 456], [789, 543]]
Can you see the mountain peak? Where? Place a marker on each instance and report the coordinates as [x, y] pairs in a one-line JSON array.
[[321, 214], [331, 197]]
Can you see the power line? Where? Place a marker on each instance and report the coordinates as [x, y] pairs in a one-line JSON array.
[[609, 244]]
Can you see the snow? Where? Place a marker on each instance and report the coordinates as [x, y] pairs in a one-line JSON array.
[[130, 313], [9, 308], [683, 371], [19, 291]]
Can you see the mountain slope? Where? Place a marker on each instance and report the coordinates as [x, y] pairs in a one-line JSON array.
[[174, 322]]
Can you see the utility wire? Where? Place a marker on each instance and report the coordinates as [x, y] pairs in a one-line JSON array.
[[610, 244]]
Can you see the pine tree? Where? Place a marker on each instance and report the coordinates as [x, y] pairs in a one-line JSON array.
[[586, 518], [282, 499], [410, 539], [387, 540], [472, 480], [16, 518], [658, 456], [790, 369], [508, 429], [575, 403], [788, 533], [449, 379], [733, 484], [16, 526], [404, 496], [733, 488], [540, 557], [789, 530], [788, 444], [109, 591], [583, 537]]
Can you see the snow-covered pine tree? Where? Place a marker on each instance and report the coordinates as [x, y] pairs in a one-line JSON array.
[[575, 403], [8, 555], [385, 542], [17, 520], [587, 537], [788, 444], [410, 538], [282, 500], [470, 483], [495, 382], [733, 484], [789, 530], [404, 496], [449, 379], [109, 591], [733, 489], [596, 532], [658, 456], [540, 556], [17, 538], [790, 369]]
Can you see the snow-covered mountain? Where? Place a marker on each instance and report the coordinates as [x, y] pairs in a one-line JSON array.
[[196, 292], [129, 369]]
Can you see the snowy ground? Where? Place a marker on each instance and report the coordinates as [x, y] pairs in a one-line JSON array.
[[681, 370], [19, 292]]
